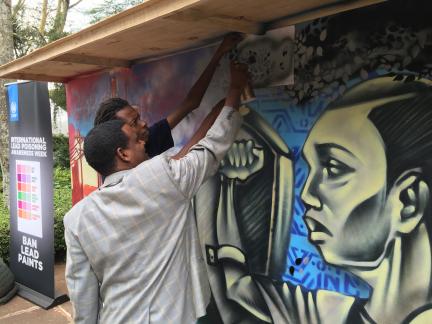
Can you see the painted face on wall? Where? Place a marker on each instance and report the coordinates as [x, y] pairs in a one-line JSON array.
[[345, 192]]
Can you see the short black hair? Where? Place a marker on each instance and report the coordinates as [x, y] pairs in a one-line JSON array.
[[108, 108], [101, 143]]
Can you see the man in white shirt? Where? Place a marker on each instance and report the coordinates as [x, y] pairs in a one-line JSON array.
[[133, 254]]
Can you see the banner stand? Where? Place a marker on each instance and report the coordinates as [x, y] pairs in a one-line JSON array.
[[31, 251], [41, 300]]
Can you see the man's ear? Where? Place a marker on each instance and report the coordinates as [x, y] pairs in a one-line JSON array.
[[413, 193], [123, 154]]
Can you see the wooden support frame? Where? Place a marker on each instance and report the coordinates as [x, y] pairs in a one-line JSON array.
[[92, 60], [138, 15], [225, 22], [181, 25]]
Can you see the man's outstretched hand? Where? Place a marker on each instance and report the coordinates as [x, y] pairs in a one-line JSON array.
[[239, 75], [239, 80], [229, 42]]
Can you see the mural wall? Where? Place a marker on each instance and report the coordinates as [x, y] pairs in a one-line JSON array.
[[320, 211]]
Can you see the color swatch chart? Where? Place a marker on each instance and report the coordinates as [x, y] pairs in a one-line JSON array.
[[29, 208]]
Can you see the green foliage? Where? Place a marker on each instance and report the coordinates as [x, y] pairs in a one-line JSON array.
[[58, 96], [62, 204], [62, 191], [61, 151], [109, 8], [54, 34], [28, 35]]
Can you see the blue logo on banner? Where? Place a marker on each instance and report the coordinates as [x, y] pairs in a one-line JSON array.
[[13, 102]]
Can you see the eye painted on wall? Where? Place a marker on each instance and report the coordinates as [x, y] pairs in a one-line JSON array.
[[334, 169], [330, 156]]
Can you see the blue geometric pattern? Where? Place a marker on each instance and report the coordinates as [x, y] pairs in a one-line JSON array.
[[293, 124]]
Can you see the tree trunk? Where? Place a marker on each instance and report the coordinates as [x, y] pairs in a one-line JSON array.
[[44, 14], [6, 55], [60, 17]]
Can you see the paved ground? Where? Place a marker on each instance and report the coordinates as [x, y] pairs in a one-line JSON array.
[[20, 311]]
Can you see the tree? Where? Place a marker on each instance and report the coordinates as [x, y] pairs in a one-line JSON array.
[[37, 25], [24, 28], [110, 7], [6, 55]]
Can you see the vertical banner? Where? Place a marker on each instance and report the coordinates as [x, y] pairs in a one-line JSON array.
[[31, 191]]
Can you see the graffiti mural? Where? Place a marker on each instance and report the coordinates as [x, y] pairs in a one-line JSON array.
[[320, 211], [348, 276], [367, 202]]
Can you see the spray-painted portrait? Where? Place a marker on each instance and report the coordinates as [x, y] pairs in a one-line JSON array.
[[367, 200]]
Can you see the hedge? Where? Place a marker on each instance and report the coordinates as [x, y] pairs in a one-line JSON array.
[[61, 151], [62, 204]]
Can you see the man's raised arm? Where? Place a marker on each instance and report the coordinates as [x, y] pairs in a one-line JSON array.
[[191, 167], [232, 100], [196, 93]]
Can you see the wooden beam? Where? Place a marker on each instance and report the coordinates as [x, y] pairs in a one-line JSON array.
[[228, 23], [128, 19], [215, 18], [208, 43], [324, 11], [239, 24], [91, 60], [35, 77]]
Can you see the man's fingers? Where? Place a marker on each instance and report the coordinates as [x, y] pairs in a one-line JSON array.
[[235, 36], [240, 66]]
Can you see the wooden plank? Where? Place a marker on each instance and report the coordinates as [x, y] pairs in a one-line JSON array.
[[158, 38], [138, 15], [35, 77], [225, 22], [239, 24], [57, 71], [163, 27], [183, 51], [91, 60]]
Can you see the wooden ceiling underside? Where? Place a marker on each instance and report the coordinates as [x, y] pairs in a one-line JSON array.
[[160, 27]]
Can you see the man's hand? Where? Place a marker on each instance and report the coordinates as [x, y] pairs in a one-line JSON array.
[[239, 75], [230, 41], [239, 80], [195, 95]]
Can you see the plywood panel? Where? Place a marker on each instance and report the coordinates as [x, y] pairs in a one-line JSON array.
[[56, 71], [160, 27]]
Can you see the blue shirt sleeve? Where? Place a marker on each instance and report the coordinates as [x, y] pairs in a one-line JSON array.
[[160, 138]]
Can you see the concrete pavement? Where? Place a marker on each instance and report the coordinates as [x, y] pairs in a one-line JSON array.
[[20, 311]]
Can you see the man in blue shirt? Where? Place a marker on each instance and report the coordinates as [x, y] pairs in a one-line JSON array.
[[158, 137]]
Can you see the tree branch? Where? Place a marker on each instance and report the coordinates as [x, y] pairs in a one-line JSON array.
[[73, 5]]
